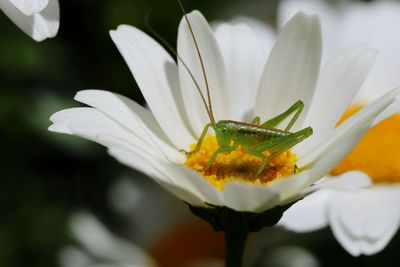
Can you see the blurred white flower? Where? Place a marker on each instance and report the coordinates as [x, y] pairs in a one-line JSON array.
[[97, 247], [364, 221], [352, 23], [37, 18], [132, 197], [243, 84], [289, 256]]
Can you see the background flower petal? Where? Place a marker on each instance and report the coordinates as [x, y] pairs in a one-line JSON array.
[[29, 7], [101, 243], [365, 221], [352, 23], [348, 181], [39, 25], [308, 214]]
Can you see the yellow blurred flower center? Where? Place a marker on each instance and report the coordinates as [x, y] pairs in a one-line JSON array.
[[378, 153], [238, 165]]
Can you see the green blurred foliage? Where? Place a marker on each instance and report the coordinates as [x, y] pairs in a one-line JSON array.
[[46, 176]]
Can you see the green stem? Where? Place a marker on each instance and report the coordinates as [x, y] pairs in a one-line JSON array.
[[234, 246]]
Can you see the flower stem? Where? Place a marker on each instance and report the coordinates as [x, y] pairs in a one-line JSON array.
[[234, 246]]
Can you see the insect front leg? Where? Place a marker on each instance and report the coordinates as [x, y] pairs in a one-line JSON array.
[[296, 108], [198, 145], [221, 149]]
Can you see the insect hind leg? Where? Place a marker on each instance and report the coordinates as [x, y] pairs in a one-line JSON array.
[[296, 108], [261, 156], [278, 147]]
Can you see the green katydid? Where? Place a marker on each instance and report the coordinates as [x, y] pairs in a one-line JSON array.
[[253, 137]]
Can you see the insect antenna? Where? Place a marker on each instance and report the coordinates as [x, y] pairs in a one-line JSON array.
[[200, 58], [173, 51]]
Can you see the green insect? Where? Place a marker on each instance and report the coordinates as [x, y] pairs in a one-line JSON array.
[[254, 137]]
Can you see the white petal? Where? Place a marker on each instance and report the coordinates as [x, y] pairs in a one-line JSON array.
[[133, 157], [258, 198], [151, 168], [30, 7], [39, 25], [289, 187], [308, 214], [166, 171], [91, 124], [243, 197], [179, 180], [346, 136], [339, 82], [214, 68], [244, 57], [371, 23], [99, 241], [131, 116], [156, 74], [193, 182], [292, 69], [365, 221]]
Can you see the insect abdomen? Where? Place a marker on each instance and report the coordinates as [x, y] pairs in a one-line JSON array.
[[251, 135], [264, 133]]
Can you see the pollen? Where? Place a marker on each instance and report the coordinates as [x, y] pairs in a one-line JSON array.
[[238, 165], [378, 153]]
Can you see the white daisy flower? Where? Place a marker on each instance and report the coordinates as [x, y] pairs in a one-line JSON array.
[[37, 18], [364, 221], [243, 85], [97, 247]]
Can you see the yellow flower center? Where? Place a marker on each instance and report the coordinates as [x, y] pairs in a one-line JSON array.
[[378, 153], [238, 165]]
